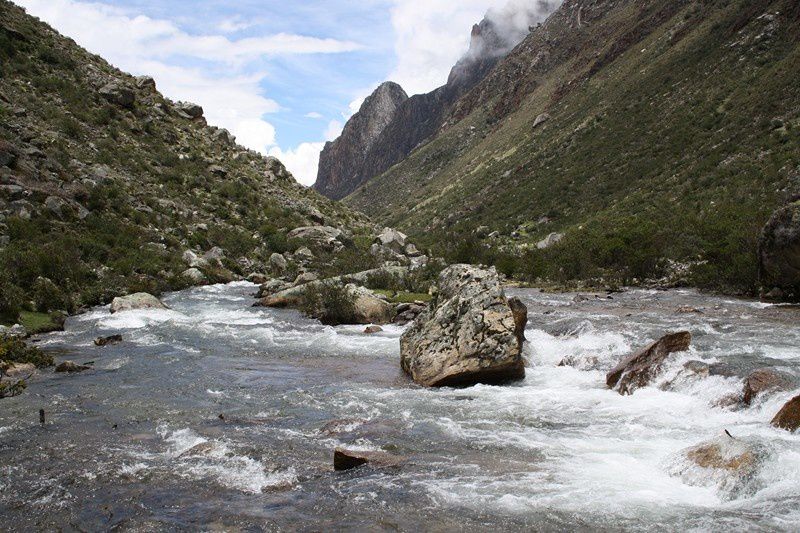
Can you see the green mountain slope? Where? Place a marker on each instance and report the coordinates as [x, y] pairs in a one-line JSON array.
[[104, 183], [646, 132]]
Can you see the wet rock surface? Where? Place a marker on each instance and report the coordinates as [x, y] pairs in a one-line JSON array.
[[788, 417], [640, 368], [468, 334], [140, 300]]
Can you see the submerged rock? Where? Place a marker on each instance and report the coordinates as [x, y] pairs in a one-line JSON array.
[[762, 381], [348, 459], [732, 465], [370, 330], [71, 367], [140, 300], [520, 313], [108, 341], [640, 368], [788, 417], [468, 335]]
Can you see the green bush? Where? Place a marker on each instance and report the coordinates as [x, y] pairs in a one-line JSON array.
[[330, 303], [11, 300], [14, 350], [47, 296]]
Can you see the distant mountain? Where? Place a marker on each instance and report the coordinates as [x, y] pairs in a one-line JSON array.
[[105, 183], [388, 126], [620, 140]]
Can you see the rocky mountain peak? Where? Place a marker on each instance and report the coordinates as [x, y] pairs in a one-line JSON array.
[[341, 159]]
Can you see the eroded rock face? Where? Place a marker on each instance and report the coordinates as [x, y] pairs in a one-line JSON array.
[[140, 300], [340, 160], [779, 253], [640, 368], [466, 336], [788, 417]]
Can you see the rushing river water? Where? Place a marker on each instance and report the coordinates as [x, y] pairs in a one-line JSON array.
[[138, 443]]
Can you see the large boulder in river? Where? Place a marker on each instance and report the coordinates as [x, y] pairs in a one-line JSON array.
[[640, 368], [140, 300], [466, 336], [788, 418], [779, 252]]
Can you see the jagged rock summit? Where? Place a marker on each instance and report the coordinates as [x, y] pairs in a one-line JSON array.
[[341, 159], [390, 125]]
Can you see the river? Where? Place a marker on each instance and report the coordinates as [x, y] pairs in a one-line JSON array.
[[215, 415]]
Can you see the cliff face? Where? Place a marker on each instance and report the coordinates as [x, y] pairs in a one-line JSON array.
[[349, 162], [341, 159]]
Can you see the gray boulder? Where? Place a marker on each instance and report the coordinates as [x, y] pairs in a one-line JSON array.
[[140, 300], [321, 236], [194, 275], [145, 82], [118, 94], [466, 336], [278, 262], [779, 253], [641, 368], [189, 110], [392, 239]]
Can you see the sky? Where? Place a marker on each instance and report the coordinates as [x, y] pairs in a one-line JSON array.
[[282, 75]]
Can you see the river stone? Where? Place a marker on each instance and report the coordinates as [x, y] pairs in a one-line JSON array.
[[18, 370], [348, 459], [788, 417], [731, 464], [71, 367], [370, 330], [466, 336], [108, 341], [762, 381], [640, 368], [140, 300], [779, 252], [520, 313], [369, 308]]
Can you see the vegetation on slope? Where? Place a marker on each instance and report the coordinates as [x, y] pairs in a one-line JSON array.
[[671, 136], [104, 183]]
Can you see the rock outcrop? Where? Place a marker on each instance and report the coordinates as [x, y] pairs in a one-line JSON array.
[[140, 300], [467, 335], [341, 159], [641, 368], [788, 417], [779, 254]]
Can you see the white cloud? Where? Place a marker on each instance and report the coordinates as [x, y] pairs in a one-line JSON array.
[[333, 130], [234, 24], [314, 115], [226, 85], [301, 161]]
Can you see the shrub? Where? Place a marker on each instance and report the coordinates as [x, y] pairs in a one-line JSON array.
[[14, 350], [47, 296], [330, 303], [11, 300]]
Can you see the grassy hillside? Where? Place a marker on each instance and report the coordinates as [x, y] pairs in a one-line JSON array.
[[104, 183], [673, 132]]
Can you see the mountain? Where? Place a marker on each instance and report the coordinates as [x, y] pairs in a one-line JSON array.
[[620, 140], [105, 183], [388, 126], [340, 158]]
